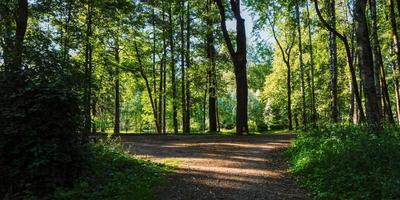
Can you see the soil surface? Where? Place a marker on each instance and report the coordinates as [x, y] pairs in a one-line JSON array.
[[220, 167]]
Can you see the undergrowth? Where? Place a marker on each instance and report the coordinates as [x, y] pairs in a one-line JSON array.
[[346, 162], [114, 174]]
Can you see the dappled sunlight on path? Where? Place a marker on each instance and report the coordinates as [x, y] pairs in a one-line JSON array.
[[220, 167]]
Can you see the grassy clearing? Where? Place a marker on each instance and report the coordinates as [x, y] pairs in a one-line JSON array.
[[339, 162], [114, 174]]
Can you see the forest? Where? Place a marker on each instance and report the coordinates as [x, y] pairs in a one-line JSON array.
[[153, 99]]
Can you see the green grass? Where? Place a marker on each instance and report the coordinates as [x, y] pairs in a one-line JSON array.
[[114, 174], [345, 162]]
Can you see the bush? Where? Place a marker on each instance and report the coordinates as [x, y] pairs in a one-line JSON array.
[[114, 174], [40, 147], [339, 162]]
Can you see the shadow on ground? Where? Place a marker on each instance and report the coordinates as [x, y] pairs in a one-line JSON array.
[[221, 167]]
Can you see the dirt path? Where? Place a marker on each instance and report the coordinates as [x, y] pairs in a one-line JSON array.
[[221, 167]]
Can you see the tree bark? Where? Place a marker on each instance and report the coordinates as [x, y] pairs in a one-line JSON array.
[[88, 69], [379, 69], [366, 64], [396, 49], [183, 91], [349, 60], [148, 87], [188, 63], [286, 59], [173, 73], [212, 96], [301, 69], [313, 106], [333, 62], [117, 112], [239, 61]]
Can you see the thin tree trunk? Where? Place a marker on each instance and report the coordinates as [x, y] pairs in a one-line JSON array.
[[158, 127], [212, 97], [21, 25], [182, 23], [164, 76], [188, 63], [379, 69], [396, 49], [152, 101], [313, 106], [117, 112], [333, 62], [173, 73], [349, 60], [286, 59], [301, 68], [88, 70], [366, 64]]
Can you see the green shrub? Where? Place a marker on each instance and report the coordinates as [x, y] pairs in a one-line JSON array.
[[339, 162], [114, 174], [40, 147]]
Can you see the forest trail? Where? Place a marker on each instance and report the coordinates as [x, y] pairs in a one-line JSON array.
[[221, 167]]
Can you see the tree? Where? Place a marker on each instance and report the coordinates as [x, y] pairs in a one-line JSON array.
[[366, 64], [239, 60]]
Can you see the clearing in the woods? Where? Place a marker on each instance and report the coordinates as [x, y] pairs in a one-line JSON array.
[[221, 167]]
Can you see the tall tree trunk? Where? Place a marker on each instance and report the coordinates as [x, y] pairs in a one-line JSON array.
[[148, 87], [117, 112], [154, 74], [173, 73], [349, 56], [286, 59], [379, 69], [188, 63], [212, 96], [239, 61], [88, 69], [313, 106], [183, 96], [164, 76], [333, 62], [21, 25], [396, 49], [366, 64], [301, 68]]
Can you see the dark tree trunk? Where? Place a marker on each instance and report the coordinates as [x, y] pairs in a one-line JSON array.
[[313, 107], [212, 96], [88, 70], [117, 112], [188, 63], [164, 71], [173, 73], [152, 101], [155, 109], [286, 59], [333, 62], [366, 64], [396, 49], [349, 60], [183, 91], [301, 67], [379, 69], [21, 25], [239, 61]]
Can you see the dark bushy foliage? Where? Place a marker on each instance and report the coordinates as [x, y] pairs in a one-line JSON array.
[[40, 146], [339, 162]]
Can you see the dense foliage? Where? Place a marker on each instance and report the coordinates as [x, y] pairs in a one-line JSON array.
[[114, 174], [40, 144], [337, 162]]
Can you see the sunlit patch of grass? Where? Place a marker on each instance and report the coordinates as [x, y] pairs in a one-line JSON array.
[[171, 162]]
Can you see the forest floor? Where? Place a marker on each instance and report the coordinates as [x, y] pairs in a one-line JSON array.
[[220, 167]]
